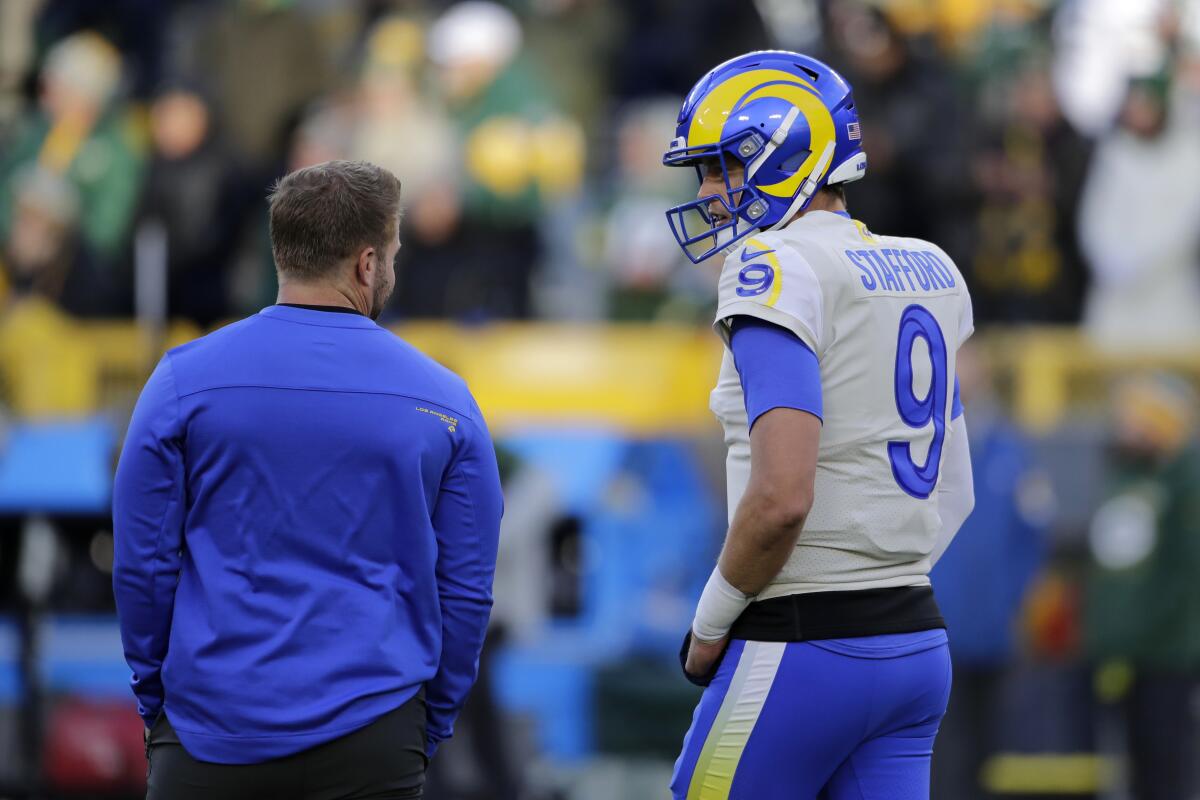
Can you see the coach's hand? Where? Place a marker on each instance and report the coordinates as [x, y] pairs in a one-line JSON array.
[[703, 657]]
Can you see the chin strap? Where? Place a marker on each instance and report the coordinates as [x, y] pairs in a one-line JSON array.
[[731, 237], [808, 188]]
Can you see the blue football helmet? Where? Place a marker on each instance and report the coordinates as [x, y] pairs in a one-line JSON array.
[[788, 119]]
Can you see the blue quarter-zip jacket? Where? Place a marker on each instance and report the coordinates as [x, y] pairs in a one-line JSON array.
[[306, 514]]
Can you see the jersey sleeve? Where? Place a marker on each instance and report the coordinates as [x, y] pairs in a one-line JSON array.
[[966, 313], [768, 280], [967, 319]]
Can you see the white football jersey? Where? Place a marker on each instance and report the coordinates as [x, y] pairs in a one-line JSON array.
[[885, 316]]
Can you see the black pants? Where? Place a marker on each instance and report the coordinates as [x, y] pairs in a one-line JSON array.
[[382, 761], [968, 734], [1162, 735]]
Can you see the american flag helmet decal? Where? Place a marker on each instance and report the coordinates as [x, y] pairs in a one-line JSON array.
[[854, 130]]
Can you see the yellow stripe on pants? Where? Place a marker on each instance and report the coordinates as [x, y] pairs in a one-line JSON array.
[[748, 690]]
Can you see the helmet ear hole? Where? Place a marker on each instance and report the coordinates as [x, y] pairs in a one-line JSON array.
[[811, 73], [794, 163]]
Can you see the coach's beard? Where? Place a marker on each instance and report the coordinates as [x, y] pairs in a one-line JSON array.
[[380, 296]]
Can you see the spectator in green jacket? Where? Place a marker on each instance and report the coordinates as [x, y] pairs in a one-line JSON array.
[[1143, 598], [80, 131], [521, 160]]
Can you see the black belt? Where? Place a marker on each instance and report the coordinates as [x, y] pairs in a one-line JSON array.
[[839, 615], [832, 615]]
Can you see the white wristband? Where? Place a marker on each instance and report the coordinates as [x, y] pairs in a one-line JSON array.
[[720, 605]]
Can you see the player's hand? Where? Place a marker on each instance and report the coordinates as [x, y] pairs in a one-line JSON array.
[[703, 656]]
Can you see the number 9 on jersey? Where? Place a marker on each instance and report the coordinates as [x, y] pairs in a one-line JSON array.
[[919, 480]]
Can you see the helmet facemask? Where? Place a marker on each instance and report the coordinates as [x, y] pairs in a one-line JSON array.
[[700, 233], [696, 230]]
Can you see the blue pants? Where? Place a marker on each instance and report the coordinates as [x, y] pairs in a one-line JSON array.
[[843, 719]]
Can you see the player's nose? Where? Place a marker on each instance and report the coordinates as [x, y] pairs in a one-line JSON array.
[[713, 186]]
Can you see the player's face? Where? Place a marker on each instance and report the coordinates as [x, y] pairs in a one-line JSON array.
[[712, 182]]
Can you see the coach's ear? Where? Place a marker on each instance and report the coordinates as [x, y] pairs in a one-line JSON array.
[[365, 267]]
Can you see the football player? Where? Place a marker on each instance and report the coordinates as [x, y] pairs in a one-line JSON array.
[[817, 636]]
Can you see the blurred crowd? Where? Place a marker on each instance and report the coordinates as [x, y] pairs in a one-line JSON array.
[[1050, 147], [1071, 599]]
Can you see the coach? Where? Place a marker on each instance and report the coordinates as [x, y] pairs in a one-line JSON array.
[[306, 515]]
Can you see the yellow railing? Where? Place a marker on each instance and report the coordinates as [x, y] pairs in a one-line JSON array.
[[637, 377], [1049, 373], [1048, 774], [643, 378]]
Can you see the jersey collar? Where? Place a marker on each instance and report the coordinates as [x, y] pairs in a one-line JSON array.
[[324, 319]]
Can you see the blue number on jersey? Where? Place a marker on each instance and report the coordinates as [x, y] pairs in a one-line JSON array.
[[755, 279], [918, 412]]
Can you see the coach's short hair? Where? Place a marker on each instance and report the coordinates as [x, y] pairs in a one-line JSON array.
[[323, 214]]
